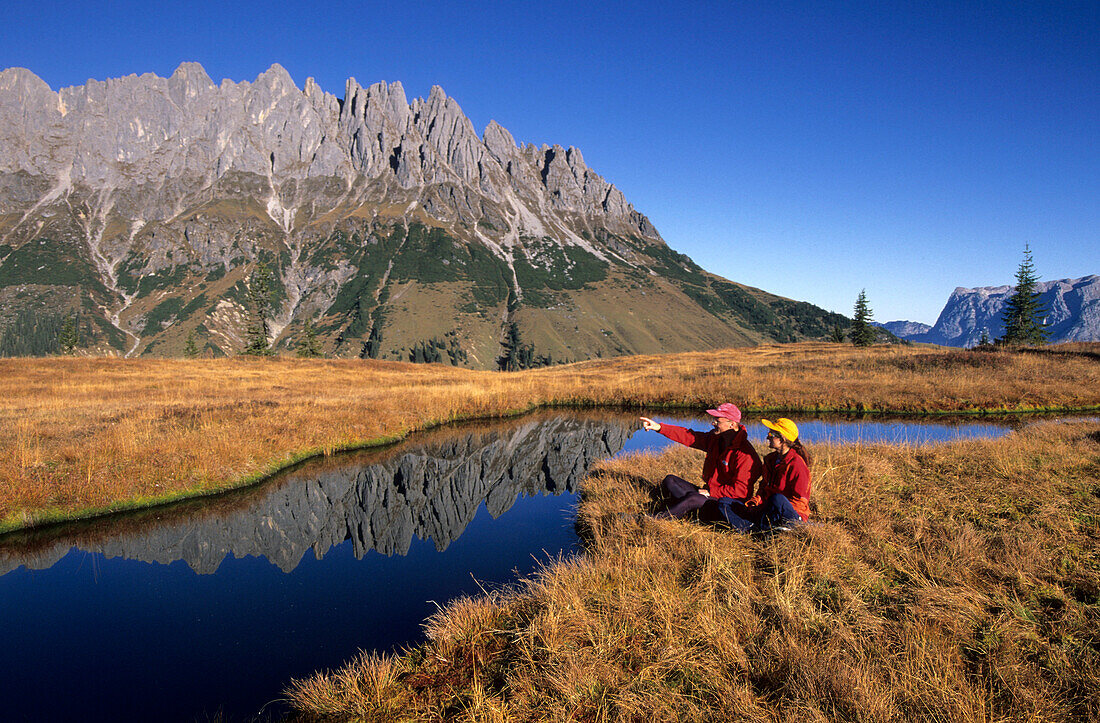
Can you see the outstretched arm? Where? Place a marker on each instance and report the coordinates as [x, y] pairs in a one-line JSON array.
[[691, 438]]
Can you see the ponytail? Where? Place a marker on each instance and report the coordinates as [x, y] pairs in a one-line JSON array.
[[802, 451]]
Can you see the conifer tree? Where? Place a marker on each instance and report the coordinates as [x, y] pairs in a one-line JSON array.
[[513, 354], [837, 334], [1023, 313], [70, 335], [455, 352], [309, 346], [862, 333], [34, 332], [506, 362], [372, 347], [427, 352], [259, 311], [190, 348]]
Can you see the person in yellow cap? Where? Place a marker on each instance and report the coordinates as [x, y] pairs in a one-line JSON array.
[[783, 498]]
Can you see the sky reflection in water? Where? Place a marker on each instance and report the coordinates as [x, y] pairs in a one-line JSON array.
[[814, 431], [175, 615]]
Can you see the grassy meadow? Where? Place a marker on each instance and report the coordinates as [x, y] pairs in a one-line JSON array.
[[959, 582], [82, 436]]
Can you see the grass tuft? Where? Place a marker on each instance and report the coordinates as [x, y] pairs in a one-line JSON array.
[[934, 586], [80, 437]]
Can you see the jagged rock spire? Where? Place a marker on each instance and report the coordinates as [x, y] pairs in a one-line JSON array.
[[140, 131]]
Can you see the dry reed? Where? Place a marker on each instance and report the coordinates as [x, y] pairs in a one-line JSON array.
[[88, 435], [959, 582]]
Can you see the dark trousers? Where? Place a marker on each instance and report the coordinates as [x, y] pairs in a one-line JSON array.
[[685, 496], [776, 512]]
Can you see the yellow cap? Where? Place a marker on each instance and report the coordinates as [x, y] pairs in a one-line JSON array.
[[784, 426]]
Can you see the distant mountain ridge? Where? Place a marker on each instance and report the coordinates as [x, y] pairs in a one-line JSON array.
[[904, 329], [143, 206], [1072, 314]]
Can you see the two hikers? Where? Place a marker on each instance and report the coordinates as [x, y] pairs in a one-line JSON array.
[[731, 468]]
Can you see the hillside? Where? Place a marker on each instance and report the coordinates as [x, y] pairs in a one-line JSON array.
[[135, 214]]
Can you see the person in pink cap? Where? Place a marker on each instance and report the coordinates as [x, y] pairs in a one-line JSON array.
[[730, 468]]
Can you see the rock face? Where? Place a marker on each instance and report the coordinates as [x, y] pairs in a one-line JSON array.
[[378, 500], [142, 206], [1072, 313], [904, 329]]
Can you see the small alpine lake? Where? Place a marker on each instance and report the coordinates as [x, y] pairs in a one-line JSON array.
[[178, 612]]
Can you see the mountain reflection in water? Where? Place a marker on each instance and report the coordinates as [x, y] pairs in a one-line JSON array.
[[430, 488], [138, 641]]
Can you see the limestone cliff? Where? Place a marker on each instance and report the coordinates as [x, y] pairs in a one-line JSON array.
[[1072, 313], [142, 206]]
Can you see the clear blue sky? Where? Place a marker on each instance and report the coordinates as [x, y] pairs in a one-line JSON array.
[[808, 148]]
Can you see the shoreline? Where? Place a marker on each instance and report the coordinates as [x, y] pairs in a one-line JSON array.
[[928, 584], [295, 460], [86, 438]]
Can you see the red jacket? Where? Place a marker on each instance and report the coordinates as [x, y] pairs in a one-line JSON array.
[[731, 466], [787, 475]]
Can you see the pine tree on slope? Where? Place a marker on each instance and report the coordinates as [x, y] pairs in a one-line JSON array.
[[1023, 313], [309, 346], [190, 347], [260, 308], [862, 334]]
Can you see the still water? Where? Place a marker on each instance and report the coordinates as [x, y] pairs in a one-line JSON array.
[[841, 430], [205, 607]]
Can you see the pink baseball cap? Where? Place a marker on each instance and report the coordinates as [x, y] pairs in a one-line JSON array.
[[726, 411]]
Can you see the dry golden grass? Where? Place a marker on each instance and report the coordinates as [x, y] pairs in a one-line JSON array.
[[80, 436], [952, 583]]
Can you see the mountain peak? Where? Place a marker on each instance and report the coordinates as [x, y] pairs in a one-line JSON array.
[[192, 70], [499, 142], [392, 225], [277, 78], [1072, 313], [22, 81], [190, 79]]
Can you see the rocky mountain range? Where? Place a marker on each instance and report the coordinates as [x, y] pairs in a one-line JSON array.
[[430, 488], [142, 210], [1072, 314], [904, 329]]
